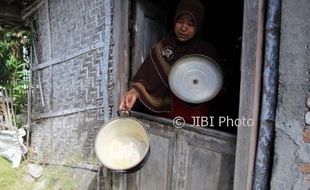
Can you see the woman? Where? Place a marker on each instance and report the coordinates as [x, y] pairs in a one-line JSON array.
[[150, 84]]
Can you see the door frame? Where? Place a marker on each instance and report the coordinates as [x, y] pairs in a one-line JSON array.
[[251, 69], [250, 91]]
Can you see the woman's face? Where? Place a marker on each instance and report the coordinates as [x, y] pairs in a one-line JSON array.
[[184, 27]]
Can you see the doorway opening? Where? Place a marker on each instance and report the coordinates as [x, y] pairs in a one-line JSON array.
[[152, 19]]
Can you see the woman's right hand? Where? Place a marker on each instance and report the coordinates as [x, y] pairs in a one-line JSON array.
[[129, 99]]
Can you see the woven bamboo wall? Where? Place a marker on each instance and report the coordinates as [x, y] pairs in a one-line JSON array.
[[69, 97]]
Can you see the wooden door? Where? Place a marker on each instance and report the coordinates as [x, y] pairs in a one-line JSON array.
[[185, 159], [204, 160], [149, 27], [157, 172]]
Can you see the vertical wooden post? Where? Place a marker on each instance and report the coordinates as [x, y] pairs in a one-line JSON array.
[[250, 90]]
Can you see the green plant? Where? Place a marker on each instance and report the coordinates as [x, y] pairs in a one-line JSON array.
[[14, 65]]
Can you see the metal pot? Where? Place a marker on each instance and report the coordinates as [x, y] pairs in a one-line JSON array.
[[123, 145]]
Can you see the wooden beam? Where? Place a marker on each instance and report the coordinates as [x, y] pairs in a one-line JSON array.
[[10, 16], [61, 113], [32, 8], [5, 22], [120, 51], [106, 41], [10, 12], [67, 57], [250, 90]]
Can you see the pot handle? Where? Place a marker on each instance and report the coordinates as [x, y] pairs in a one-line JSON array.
[[123, 113]]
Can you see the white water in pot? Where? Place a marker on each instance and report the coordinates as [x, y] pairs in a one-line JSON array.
[[125, 151]]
